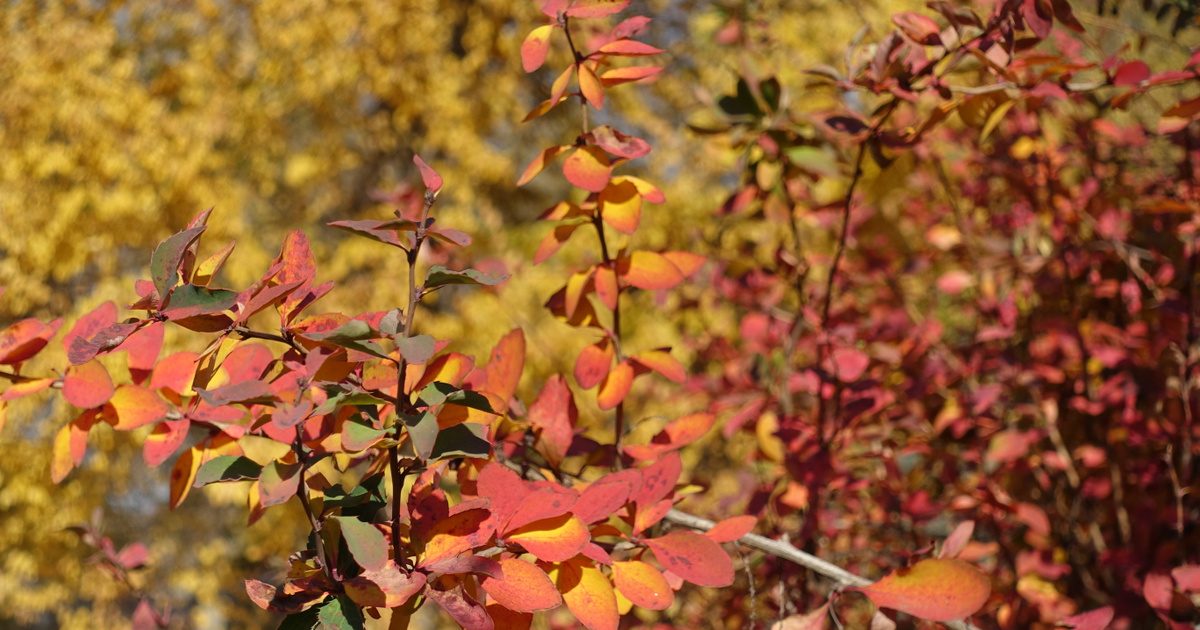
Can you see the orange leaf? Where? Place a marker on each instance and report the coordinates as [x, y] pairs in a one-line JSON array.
[[183, 474], [940, 589], [649, 192], [70, 445], [687, 262], [553, 241], [621, 206], [732, 528], [615, 386], [535, 47], [643, 585], [539, 163], [135, 406], [617, 76], [693, 557], [552, 539], [588, 168], [504, 367], [590, 86], [593, 363], [386, 587], [175, 373], [505, 619], [524, 587], [24, 339], [649, 270], [88, 385], [455, 534], [588, 595], [629, 48], [662, 362], [605, 283]]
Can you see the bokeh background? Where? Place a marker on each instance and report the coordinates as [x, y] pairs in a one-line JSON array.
[[119, 120]]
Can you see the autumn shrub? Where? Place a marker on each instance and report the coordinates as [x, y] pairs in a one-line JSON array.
[[937, 356]]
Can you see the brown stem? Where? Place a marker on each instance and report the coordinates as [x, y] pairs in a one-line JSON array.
[[403, 401], [313, 521], [619, 421], [247, 333]]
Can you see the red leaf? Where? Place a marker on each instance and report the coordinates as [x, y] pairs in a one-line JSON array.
[[535, 47], [693, 557], [619, 144], [87, 385], [553, 414], [606, 495], [658, 480], [1097, 619], [593, 363], [87, 326], [918, 28], [957, 540], [430, 177], [469, 614], [940, 589], [1131, 73], [174, 373], [164, 440], [732, 528], [524, 587], [1158, 590], [143, 347]]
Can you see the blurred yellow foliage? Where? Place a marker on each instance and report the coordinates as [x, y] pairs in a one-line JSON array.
[[120, 120]]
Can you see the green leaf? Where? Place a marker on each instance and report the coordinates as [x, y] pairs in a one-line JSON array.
[[366, 543], [423, 432], [437, 393], [416, 349], [359, 436], [164, 262], [340, 614], [462, 440], [392, 322], [440, 276], [227, 468], [201, 300], [354, 335]]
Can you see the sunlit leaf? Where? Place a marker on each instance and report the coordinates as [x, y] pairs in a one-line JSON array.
[[693, 557], [938, 589], [523, 587], [642, 584]]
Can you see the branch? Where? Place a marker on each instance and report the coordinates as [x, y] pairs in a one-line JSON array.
[[786, 551]]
